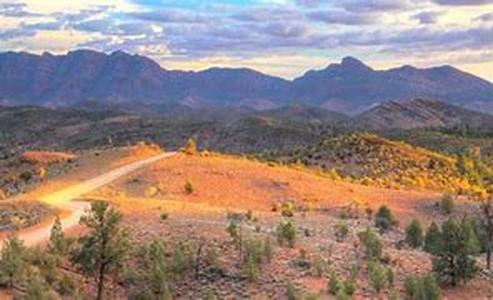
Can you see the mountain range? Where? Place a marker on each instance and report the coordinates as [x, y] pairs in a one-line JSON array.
[[137, 83]]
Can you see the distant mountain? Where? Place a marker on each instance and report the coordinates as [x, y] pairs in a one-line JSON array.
[[136, 83], [420, 113], [353, 87]]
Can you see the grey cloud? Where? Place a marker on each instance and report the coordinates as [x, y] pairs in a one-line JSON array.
[[308, 3], [343, 17], [14, 10], [427, 17], [462, 2], [269, 13], [488, 17], [170, 16], [375, 5]]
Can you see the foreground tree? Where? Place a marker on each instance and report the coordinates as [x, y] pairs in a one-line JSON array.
[[156, 270], [13, 265], [104, 248], [414, 234], [453, 261], [432, 239]]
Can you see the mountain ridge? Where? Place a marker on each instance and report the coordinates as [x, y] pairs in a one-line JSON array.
[[139, 83]]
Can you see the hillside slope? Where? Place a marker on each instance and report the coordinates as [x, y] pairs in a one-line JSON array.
[[371, 159], [420, 113]]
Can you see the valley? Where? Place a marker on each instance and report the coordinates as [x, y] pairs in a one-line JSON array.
[[232, 184]]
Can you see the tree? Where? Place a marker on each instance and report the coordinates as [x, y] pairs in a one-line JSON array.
[[59, 244], [414, 234], [453, 262], [432, 239], [13, 265], [103, 249], [384, 218], [486, 226]]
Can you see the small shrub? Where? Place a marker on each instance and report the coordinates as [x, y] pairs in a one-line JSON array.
[[377, 275], [268, 251], [286, 233], [26, 176], [341, 231], [291, 292], [287, 209], [372, 244], [341, 295], [180, 260], [422, 287], [414, 234], [349, 286], [189, 188], [212, 257], [66, 286], [447, 204], [163, 217], [190, 147], [384, 220], [334, 284], [318, 266]]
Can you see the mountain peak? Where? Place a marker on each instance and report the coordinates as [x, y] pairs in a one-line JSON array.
[[351, 61]]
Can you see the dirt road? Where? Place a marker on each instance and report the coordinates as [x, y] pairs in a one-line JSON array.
[[63, 200]]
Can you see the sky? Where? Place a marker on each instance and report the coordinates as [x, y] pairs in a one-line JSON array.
[[280, 37]]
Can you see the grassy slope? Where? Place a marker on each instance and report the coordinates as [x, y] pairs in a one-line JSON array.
[[371, 159]]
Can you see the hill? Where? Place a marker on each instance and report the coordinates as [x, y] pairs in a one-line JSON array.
[[136, 83], [231, 130], [371, 159], [420, 113]]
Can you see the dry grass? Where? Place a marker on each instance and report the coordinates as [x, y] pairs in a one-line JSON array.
[[232, 183], [47, 157]]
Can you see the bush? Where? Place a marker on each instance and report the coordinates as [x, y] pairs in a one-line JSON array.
[[422, 287], [287, 209], [189, 188], [190, 147], [334, 284], [414, 234], [286, 232], [377, 275], [291, 292], [341, 231], [447, 204], [181, 259], [372, 244], [268, 251], [318, 266], [384, 220]]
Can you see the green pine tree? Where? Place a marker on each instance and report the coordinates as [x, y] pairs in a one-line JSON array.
[[104, 248]]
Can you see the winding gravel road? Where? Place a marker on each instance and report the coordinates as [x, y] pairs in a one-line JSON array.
[[63, 200]]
